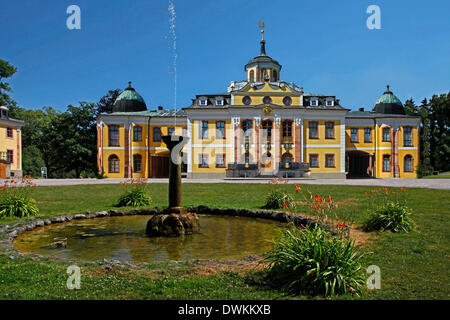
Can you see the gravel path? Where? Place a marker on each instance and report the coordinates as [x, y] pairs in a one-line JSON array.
[[385, 182]]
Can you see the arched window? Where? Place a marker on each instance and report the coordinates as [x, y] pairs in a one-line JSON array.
[[113, 164], [408, 163], [251, 78], [137, 163], [274, 75]]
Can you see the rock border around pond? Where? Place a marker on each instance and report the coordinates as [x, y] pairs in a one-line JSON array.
[[9, 232]]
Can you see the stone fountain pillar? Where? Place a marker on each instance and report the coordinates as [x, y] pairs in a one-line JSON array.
[[175, 220]]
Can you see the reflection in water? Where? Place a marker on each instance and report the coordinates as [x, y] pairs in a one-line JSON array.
[[123, 238]]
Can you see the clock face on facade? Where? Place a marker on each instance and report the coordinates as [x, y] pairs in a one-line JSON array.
[[246, 100], [287, 101], [267, 100]]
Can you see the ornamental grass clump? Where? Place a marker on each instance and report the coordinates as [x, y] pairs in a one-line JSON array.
[[388, 211], [393, 216], [136, 194], [16, 200], [312, 261], [278, 197]]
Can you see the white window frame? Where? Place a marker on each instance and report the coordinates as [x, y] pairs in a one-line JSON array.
[[314, 102], [203, 101], [219, 100], [329, 102]]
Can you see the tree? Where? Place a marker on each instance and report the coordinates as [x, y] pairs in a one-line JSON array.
[[105, 105], [74, 140], [6, 71]]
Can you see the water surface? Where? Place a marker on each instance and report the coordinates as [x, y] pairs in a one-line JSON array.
[[123, 238]]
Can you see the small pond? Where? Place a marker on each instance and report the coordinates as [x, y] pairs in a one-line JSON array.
[[123, 238]]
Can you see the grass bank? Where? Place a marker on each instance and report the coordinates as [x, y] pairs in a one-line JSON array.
[[413, 266]]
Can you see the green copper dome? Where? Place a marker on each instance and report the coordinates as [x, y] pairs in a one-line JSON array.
[[129, 101], [388, 103]]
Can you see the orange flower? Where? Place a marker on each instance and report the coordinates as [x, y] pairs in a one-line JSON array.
[[393, 191], [329, 199], [365, 193], [298, 187], [371, 194]]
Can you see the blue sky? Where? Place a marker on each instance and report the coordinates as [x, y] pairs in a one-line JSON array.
[[323, 46]]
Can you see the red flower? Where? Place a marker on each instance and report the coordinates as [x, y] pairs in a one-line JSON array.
[[393, 191], [298, 187], [284, 205]]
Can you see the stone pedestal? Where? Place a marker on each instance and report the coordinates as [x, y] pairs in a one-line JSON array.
[[174, 221], [172, 224]]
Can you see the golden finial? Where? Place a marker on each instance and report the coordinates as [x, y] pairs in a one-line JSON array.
[[261, 25]]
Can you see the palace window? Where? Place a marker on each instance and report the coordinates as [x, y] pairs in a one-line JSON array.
[[219, 102], [287, 101], [329, 130], [157, 134], [246, 100], [252, 76], [220, 160], [274, 75], [354, 135], [113, 164], [314, 102], [137, 133], [386, 163], [204, 130], [10, 156], [247, 127], [267, 100], [329, 102], [267, 129], [113, 132], [203, 160], [287, 128], [367, 134], [329, 161], [314, 160], [9, 132], [203, 102], [313, 134], [408, 163], [407, 137], [170, 131], [220, 130], [386, 134], [137, 163]]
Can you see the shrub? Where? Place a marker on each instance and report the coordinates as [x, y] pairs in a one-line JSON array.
[[277, 199], [312, 261], [393, 216], [136, 194], [15, 199]]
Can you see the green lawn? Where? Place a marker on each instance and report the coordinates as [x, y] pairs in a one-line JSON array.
[[441, 175], [413, 266]]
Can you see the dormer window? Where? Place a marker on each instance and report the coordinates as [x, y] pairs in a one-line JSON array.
[[203, 102], [314, 102], [329, 102], [219, 101]]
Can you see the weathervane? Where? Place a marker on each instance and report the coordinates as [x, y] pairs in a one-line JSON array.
[[261, 25]]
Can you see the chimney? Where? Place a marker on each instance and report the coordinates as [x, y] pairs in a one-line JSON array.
[[160, 108]]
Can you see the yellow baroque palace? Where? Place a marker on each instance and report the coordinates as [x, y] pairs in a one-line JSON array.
[[260, 127], [10, 145]]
